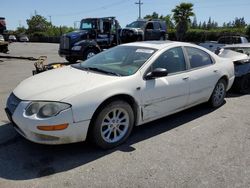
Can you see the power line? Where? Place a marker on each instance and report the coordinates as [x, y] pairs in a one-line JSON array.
[[93, 10]]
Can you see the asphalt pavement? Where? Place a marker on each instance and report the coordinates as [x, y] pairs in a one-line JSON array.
[[199, 147]]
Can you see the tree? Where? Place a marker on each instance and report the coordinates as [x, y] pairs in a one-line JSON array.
[[239, 23], [181, 16], [194, 23], [153, 16], [209, 23], [204, 25], [37, 23], [20, 31], [167, 19]]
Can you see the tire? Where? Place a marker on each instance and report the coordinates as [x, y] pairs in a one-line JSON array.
[[218, 95], [112, 125], [139, 38], [162, 38], [245, 84], [89, 53], [71, 59]]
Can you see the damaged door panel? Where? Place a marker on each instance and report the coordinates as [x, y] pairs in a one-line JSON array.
[[164, 95]]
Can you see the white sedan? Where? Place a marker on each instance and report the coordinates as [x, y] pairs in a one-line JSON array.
[[125, 86]]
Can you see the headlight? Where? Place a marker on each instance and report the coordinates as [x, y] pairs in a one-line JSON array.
[[45, 109], [76, 48]]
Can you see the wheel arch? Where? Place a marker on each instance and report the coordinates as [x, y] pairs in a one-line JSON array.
[[225, 77], [124, 97]]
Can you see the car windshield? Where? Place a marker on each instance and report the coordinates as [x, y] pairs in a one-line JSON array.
[[137, 24], [119, 61], [88, 24]]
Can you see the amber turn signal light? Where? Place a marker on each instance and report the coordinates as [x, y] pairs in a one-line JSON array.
[[53, 127]]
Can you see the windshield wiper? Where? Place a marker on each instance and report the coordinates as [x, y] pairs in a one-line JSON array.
[[101, 70]]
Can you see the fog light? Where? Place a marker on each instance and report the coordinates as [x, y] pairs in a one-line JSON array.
[[53, 127]]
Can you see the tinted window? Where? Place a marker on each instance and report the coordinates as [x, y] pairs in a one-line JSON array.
[[150, 26], [157, 25], [198, 58], [172, 60]]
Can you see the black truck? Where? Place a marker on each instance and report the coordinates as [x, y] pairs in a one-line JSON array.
[[3, 44], [97, 34], [94, 35]]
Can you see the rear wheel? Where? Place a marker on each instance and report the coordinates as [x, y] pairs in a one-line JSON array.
[[113, 124], [218, 95], [245, 84]]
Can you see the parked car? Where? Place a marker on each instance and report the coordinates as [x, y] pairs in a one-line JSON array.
[[143, 29], [222, 41], [3, 45], [24, 39], [1, 38], [12, 38], [106, 95], [239, 54]]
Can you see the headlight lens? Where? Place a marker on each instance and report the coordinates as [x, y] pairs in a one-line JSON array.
[[46, 109], [76, 48]]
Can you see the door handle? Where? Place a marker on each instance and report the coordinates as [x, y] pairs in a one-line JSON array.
[[215, 71], [185, 78]]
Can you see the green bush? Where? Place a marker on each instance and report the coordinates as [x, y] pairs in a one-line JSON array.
[[201, 35]]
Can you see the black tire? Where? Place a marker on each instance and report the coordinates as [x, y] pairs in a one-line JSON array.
[[89, 53], [219, 93], [105, 132], [139, 38], [162, 37], [71, 59], [245, 84]]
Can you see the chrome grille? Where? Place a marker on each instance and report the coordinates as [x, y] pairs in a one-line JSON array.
[[12, 103], [126, 32], [64, 43]]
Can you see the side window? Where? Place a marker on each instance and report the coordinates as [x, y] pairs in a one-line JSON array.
[[222, 40], [198, 58], [172, 60], [157, 26], [150, 26]]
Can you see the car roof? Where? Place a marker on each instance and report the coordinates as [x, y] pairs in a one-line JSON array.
[[158, 44]]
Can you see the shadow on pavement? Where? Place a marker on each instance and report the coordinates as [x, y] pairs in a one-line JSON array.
[[23, 160]]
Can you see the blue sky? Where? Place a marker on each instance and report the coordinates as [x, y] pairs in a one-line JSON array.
[[67, 12]]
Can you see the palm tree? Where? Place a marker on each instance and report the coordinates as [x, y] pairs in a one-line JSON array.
[[182, 14]]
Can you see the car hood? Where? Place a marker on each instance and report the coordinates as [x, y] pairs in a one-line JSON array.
[[61, 83]]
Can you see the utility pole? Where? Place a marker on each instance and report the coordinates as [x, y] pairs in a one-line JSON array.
[[140, 4]]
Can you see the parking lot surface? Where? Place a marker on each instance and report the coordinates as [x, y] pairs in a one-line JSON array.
[[199, 147]]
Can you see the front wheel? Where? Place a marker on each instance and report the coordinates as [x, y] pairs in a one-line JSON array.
[[218, 95], [113, 124], [71, 60], [89, 53]]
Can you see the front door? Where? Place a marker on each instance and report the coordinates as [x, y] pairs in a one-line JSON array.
[[166, 95]]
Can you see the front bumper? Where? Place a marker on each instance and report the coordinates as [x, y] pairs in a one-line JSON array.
[[70, 53], [27, 127]]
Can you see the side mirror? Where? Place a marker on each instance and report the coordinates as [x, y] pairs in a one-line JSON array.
[[156, 73]]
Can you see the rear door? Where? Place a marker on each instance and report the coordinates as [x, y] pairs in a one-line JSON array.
[[203, 75]]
